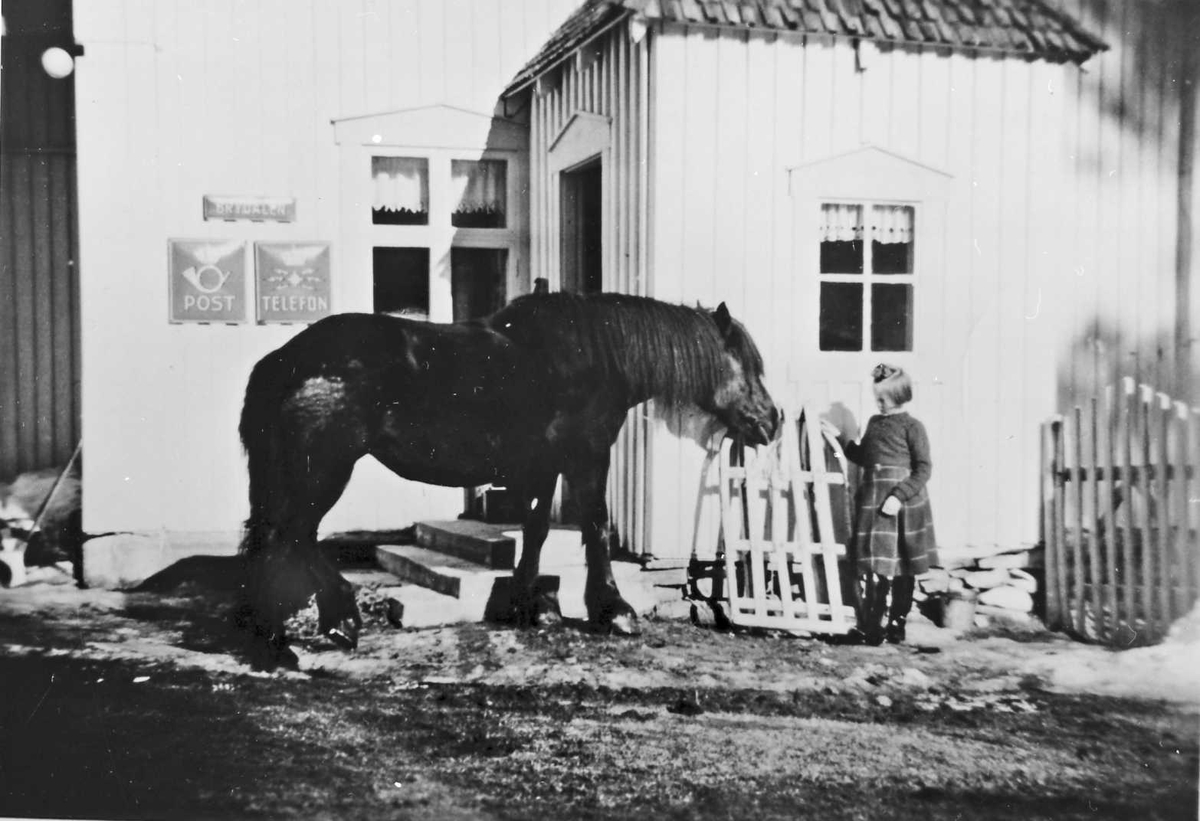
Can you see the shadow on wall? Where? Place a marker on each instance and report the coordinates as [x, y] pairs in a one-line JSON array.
[[1101, 356], [1155, 41]]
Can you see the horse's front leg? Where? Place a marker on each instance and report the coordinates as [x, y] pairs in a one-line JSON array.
[[531, 605], [606, 608]]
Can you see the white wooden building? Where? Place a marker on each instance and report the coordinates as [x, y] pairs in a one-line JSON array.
[[660, 148], [353, 114], [938, 185]]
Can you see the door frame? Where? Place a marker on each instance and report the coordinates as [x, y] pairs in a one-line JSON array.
[[584, 139]]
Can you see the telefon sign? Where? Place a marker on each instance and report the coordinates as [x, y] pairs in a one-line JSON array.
[[291, 281], [207, 280]]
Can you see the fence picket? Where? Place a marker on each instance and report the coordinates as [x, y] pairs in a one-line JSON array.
[[1128, 563], [1095, 568], [1060, 519], [1146, 542], [1053, 617], [1181, 578], [1191, 514], [1080, 542], [1109, 500], [1162, 515]]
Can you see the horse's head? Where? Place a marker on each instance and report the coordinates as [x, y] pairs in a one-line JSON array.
[[741, 402]]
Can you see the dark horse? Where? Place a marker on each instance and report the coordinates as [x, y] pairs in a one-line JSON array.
[[536, 390]]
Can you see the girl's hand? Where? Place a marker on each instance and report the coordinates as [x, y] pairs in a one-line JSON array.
[[830, 429], [891, 506]]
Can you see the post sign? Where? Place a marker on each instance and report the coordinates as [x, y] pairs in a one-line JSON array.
[[256, 209], [207, 280], [292, 281]]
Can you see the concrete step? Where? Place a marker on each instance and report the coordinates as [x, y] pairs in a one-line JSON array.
[[448, 575], [479, 542], [419, 606], [477, 592]]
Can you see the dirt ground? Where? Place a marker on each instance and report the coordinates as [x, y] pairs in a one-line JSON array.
[[138, 705]]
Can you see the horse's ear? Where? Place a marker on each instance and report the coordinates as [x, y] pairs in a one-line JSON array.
[[724, 320]]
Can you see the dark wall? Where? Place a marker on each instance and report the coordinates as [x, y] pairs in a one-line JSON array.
[[39, 307]]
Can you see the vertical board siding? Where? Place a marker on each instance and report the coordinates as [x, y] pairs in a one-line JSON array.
[[1054, 270], [1123, 145], [606, 81], [178, 100], [39, 318]]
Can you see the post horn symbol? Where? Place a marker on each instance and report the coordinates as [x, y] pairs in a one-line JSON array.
[[196, 278]]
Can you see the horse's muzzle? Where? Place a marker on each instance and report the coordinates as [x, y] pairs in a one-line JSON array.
[[762, 431]]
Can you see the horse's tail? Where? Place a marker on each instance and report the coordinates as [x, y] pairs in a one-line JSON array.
[[259, 428]]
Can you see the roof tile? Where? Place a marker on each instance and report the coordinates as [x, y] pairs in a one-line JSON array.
[[851, 21], [814, 23], [692, 12], [1026, 27], [829, 17], [892, 28], [773, 16]]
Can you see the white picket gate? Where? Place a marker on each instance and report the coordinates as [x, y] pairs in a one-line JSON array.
[[780, 563]]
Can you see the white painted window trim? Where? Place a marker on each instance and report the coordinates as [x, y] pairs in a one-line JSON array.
[[868, 175], [440, 236], [868, 277], [438, 134]]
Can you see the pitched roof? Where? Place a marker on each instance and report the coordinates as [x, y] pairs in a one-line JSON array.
[[1029, 28]]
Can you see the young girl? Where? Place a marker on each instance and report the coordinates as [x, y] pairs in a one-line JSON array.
[[893, 528]]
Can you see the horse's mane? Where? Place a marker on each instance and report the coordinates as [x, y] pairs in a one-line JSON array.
[[646, 348]]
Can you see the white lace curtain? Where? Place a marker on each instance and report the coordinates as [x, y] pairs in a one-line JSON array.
[[479, 187], [401, 184], [841, 222]]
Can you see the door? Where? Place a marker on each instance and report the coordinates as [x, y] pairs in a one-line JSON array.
[[582, 254], [582, 258]]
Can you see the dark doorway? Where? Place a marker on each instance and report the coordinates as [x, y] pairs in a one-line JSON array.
[[582, 224], [477, 281], [401, 281], [582, 260]]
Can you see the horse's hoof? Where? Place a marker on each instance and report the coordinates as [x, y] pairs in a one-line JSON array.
[[345, 635], [271, 656], [625, 624], [613, 613], [287, 659]]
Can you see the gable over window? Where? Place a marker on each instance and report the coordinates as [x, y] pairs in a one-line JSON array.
[[861, 217]]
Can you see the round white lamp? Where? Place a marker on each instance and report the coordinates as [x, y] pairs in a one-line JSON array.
[[57, 62]]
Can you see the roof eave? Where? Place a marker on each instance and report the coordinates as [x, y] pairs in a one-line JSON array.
[[523, 83]]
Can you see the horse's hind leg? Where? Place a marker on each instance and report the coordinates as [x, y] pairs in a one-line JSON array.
[[287, 568], [605, 606]]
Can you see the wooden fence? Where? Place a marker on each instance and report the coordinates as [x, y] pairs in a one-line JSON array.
[[1120, 508]]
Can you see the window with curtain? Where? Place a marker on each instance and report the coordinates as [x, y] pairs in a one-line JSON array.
[[401, 186], [867, 277], [480, 192]]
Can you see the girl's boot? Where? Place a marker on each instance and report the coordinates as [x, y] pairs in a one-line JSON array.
[[902, 599], [874, 605]]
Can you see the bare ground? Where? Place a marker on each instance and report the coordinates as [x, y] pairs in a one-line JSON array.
[[138, 705]]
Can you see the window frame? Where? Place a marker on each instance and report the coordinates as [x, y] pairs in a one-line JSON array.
[[869, 277], [440, 235]]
